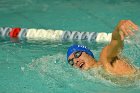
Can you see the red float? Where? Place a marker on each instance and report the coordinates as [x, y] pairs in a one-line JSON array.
[[14, 32]]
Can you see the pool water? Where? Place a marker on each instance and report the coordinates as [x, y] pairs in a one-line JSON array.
[[41, 67]]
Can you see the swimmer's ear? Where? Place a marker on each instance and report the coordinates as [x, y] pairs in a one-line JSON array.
[[94, 59]]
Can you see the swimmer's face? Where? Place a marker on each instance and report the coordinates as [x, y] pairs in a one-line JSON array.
[[81, 60]]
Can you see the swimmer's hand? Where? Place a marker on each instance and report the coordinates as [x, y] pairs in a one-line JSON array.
[[124, 29]]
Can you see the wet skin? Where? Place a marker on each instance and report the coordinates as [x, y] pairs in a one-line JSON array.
[[110, 58]]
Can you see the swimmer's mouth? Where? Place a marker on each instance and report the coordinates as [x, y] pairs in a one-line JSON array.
[[81, 65]]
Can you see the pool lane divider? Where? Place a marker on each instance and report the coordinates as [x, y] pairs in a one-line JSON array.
[[53, 35], [14, 32]]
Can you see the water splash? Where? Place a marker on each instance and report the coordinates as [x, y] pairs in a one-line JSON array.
[[132, 48], [57, 74]]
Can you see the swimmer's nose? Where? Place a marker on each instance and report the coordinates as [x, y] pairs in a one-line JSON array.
[[76, 61]]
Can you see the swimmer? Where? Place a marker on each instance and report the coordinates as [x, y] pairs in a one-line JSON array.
[[110, 60]]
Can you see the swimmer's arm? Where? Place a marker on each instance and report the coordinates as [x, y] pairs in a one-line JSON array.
[[121, 31], [115, 46]]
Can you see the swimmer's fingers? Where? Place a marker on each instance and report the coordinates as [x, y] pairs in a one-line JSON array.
[[130, 32], [124, 29], [121, 35], [133, 26], [127, 27]]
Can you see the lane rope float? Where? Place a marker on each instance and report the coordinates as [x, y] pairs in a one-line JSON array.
[[53, 35]]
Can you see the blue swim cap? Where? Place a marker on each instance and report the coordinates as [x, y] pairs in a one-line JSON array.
[[75, 48]]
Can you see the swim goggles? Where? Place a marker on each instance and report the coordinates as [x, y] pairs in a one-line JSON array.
[[76, 55]]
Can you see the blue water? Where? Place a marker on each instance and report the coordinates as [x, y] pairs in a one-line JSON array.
[[41, 68]]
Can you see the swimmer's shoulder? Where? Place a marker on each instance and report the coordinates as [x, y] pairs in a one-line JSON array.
[[105, 58], [115, 64]]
